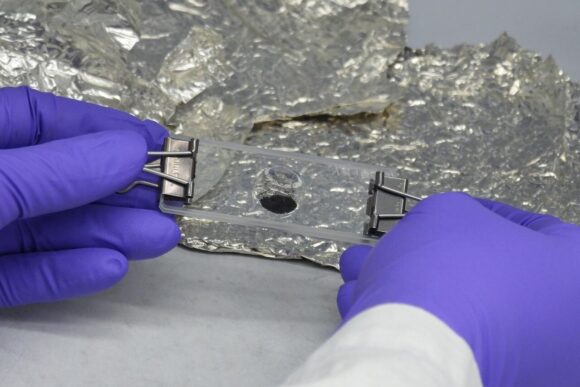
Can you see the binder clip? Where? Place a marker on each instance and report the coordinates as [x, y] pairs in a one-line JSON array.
[[386, 203], [175, 166]]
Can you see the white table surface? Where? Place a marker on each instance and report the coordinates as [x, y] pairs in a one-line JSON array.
[[187, 319], [193, 319]]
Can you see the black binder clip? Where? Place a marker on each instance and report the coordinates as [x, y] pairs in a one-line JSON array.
[[175, 166], [386, 204]]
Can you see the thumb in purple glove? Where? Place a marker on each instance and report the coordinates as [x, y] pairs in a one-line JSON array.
[[505, 280], [59, 157]]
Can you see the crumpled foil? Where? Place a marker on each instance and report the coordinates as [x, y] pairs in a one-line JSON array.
[[332, 78], [493, 120]]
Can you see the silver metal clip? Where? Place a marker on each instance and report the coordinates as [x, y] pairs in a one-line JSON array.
[[176, 168], [386, 203]]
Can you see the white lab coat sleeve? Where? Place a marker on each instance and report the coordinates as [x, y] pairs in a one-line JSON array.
[[391, 345]]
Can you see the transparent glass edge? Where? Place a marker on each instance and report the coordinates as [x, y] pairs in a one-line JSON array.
[[339, 236], [295, 155]]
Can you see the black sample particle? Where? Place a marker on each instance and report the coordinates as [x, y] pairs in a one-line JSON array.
[[278, 204]]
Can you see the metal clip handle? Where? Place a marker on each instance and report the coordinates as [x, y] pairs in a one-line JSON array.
[[386, 204], [176, 168]]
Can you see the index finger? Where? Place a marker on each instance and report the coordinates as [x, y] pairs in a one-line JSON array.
[[29, 117]]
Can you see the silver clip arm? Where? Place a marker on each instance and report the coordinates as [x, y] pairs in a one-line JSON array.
[[176, 168], [386, 204]]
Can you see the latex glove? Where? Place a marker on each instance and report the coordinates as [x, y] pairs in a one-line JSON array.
[[505, 280], [63, 231]]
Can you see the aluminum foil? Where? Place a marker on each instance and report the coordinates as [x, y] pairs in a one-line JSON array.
[[493, 120], [329, 77]]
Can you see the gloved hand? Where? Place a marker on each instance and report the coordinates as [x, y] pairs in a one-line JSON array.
[[63, 231], [505, 280]]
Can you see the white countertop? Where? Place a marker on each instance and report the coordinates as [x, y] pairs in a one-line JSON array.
[[187, 319]]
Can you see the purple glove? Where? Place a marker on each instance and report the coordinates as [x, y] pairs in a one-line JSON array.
[[63, 231], [505, 280]]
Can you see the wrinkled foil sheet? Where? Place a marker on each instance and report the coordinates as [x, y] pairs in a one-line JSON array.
[[331, 78], [494, 120], [205, 68]]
